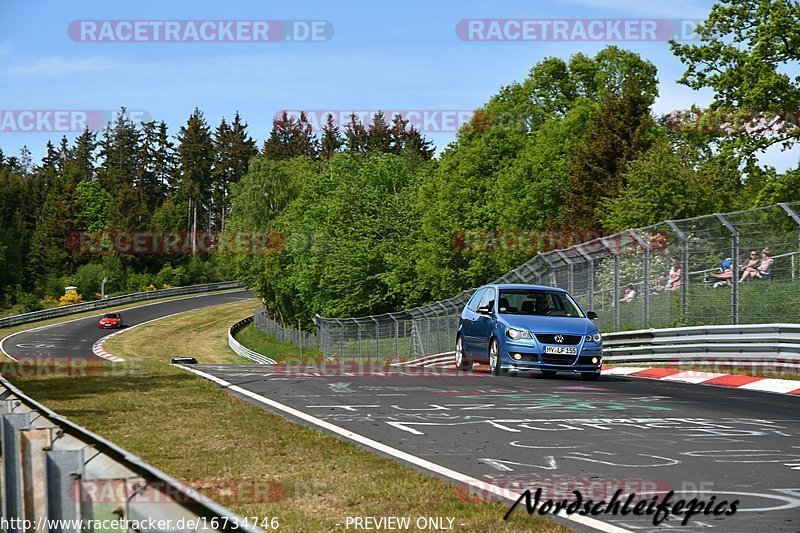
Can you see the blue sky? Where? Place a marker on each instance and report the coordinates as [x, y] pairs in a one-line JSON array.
[[403, 55]]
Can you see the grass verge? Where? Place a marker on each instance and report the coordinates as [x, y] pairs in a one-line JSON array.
[[252, 461], [258, 341]]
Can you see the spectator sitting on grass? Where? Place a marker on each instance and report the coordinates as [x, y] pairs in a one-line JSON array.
[[659, 285], [726, 275], [674, 276], [764, 266], [752, 263], [628, 294]]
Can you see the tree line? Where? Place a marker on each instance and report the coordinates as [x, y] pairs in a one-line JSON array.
[[367, 213]]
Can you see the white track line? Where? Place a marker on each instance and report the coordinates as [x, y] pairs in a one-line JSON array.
[[401, 455]]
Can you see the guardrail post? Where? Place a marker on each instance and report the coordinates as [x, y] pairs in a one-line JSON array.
[[735, 266], [13, 504], [64, 468]]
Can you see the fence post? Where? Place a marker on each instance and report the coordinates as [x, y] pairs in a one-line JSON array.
[[550, 268], [341, 338], [570, 270], [684, 267], [322, 339], [646, 275], [590, 275], [735, 266], [396, 338], [377, 338], [358, 325], [793, 214]]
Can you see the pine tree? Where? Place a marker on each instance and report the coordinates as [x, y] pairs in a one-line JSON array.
[[379, 139], [196, 158], [233, 150], [331, 138], [290, 137], [355, 136]]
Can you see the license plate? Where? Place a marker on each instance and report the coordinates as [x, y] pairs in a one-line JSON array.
[[561, 350]]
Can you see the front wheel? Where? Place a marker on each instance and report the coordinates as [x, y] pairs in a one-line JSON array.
[[494, 358], [463, 362], [590, 376]]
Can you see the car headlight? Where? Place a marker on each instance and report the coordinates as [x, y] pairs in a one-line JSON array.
[[595, 338], [516, 334]]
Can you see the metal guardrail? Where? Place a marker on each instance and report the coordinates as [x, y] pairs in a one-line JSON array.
[[113, 301], [753, 345], [54, 470], [242, 350], [759, 345]]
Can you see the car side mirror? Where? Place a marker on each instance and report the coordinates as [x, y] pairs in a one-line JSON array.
[[591, 315], [485, 310]]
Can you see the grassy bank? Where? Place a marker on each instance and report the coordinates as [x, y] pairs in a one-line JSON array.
[[258, 341], [254, 462]]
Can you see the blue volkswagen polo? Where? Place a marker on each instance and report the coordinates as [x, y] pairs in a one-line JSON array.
[[519, 328]]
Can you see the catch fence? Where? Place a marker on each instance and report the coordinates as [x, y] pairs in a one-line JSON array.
[[676, 273]]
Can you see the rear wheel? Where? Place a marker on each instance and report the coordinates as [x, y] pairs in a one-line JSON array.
[[590, 376], [549, 373], [494, 358], [463, 362]]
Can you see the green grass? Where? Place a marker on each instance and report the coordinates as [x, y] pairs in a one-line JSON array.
[[258, 341], [254, 462], [759, 302]]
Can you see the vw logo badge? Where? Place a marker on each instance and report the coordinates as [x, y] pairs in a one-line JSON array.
[[559, 338]]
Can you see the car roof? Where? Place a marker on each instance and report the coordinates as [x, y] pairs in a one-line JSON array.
[[522, 286]]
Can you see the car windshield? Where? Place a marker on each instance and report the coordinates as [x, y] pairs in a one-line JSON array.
[[538, 302], [111, 315]]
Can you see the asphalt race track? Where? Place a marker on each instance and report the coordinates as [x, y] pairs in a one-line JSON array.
[[647, 437], [74, 339]]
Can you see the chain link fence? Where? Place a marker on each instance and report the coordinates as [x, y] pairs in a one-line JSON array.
[[679, 272], [300, 338]]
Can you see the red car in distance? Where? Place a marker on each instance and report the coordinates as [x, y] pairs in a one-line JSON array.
[[111, 321]]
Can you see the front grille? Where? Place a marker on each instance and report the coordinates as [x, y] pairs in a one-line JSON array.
[[558, 359], [550, 338]]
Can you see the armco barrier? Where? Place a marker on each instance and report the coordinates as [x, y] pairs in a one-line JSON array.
[[54, 469], [113, 301], [754, 345], [242, 350]]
